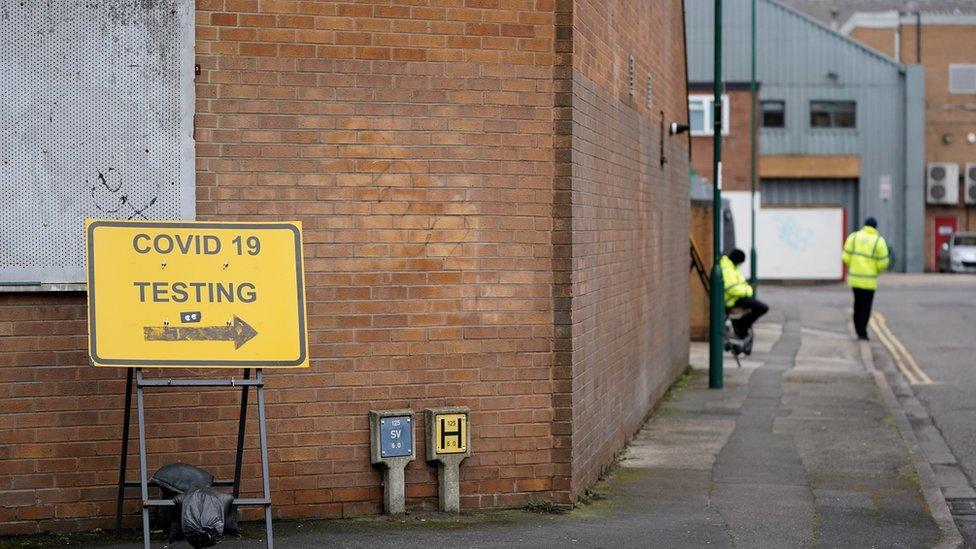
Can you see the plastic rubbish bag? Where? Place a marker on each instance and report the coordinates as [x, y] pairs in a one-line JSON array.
[[174, 479], [177, 478], [206, 514]]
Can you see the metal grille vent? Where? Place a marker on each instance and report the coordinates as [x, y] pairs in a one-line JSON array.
[[938, 173], [97, 121], [938, 192], [972, 193], [962, 506], [631, 69]]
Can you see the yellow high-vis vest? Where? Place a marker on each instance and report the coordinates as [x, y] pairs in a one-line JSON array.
[[866, 255], [736, 286]]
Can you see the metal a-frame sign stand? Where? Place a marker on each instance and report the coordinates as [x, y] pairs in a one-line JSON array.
[[143, 484], [185, 288]]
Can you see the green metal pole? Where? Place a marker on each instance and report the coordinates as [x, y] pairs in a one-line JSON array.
[[717, 316], [754, 137]]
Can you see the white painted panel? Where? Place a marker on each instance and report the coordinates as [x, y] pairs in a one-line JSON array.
[[96, 121], [742, 220], [800, 243]]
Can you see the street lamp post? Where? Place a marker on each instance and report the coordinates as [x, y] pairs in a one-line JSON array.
[[717, 316], [753, 137]]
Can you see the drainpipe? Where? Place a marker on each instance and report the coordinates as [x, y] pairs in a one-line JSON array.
[[753, 97], [918, 37], [717, 301]]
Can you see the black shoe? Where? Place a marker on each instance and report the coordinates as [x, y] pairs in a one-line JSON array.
[[863, 338]]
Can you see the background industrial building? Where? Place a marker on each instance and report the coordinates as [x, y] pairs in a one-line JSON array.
[[840, 123]]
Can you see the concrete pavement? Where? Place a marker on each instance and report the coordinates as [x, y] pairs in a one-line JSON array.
[[800, 449]]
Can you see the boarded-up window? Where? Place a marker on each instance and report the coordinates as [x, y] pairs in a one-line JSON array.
[[97, 121], [962, 78]]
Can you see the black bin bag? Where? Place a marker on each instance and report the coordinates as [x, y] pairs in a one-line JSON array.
[[174, 479], [177, 478], [206, 514]]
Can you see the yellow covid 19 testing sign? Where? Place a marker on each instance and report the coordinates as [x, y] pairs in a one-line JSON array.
[[196, 294]]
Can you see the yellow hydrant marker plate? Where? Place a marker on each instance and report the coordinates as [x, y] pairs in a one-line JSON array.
[[196, 294], [450, 433]]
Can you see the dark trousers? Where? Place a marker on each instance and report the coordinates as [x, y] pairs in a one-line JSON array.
[[755, 310], [862, 311]]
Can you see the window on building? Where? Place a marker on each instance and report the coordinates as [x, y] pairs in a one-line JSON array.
[[773, 114], [832, 114], [962, 78], [700, 113]]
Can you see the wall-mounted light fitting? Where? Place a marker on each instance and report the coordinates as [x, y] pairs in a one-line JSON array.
[[675, 128]]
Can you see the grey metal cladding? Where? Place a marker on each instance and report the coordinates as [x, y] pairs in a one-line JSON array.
[[827, 192]]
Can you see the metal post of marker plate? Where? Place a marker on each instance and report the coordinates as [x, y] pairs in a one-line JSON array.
[[144, 484], [448, 444], [392, 446]]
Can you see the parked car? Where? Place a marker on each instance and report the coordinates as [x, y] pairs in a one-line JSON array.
[[958, 255]]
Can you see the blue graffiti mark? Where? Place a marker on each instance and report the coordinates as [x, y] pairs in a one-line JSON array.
[[795, 237]]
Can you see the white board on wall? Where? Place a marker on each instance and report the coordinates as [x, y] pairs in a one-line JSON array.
[[742, 220], [800, 243], [96, 121]]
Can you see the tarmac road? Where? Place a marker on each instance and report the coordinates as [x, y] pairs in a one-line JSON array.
[[934, 316]]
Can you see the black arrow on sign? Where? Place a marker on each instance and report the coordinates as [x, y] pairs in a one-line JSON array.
[[239, 332]]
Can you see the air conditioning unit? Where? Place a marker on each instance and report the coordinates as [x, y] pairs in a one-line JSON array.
[[942, 183], [970, 186]]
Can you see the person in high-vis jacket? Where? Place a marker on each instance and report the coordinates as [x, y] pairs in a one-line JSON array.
[[738, 293], [866, 255]]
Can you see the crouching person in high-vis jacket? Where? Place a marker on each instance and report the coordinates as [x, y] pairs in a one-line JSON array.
[[866, 255], [738, 293]]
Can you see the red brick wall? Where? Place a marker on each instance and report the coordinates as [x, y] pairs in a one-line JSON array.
[[736, 146], [946, 113], [426, 148], [629, 223], [414, 142]]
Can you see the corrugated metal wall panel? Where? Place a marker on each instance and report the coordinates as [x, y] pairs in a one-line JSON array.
[[795, 58], [798, 49], [810, 192]]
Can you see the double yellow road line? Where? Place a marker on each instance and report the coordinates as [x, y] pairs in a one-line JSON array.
[[903, 359]]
